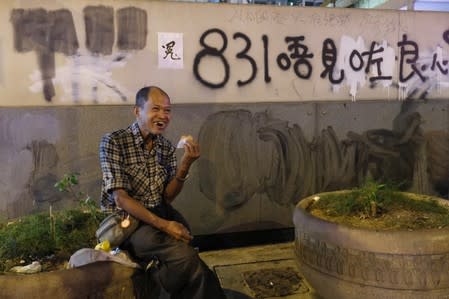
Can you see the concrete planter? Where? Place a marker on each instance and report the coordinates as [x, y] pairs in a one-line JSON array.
[[351, 263], [97, 280]]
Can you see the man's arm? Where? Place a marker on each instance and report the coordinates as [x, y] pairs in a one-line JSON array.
[[191, 153], [117, 183], [135, 208]]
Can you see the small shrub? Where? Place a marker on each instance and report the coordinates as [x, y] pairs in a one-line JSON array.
[[381, 206], [58, 234], [27, 238], [362, 200]]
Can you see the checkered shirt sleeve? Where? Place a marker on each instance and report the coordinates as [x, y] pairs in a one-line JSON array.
[[111, 162]]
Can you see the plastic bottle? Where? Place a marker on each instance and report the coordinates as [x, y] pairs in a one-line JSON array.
[[105, 246]]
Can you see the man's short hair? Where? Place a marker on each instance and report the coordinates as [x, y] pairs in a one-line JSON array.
[[143, 95]]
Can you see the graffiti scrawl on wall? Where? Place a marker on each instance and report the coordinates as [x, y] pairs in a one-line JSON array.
[[46, 33], [260, 155], [244, 154], [50, 32], [354, 63], [291, 55]]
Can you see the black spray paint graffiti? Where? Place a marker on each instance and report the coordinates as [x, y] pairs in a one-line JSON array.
[[132, 28], [245, 154], [243, 55], [358, 60], [214, 52], [329, 60], [50, 32], [46, 33], [284, 61], [218, 52], [414, 52], [99, 21]]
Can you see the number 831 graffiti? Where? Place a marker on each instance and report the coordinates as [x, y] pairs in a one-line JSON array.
[[299, 58]]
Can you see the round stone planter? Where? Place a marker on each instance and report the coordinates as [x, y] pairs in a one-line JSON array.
[[351, 263], [97, 280]]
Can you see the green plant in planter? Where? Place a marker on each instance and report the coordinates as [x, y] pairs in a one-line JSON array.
[[380, 206], [366, 200], [27, 237], [67, 184], [345, 251], [53, 235]]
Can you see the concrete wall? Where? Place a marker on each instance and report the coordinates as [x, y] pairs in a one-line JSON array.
[[265, 144], [257, 159]]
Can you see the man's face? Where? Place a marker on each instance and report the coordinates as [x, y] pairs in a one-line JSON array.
[[155, 115]]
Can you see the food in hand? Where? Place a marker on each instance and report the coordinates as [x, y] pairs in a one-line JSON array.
[[183, 140]]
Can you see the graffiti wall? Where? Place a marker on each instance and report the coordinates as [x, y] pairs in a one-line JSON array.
[[257, 160], [86, 52], [285, 101]]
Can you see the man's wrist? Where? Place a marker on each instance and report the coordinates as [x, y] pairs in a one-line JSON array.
[[182, 179], [162, 225]]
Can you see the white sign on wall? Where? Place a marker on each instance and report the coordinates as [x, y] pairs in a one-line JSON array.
[[170, 50]]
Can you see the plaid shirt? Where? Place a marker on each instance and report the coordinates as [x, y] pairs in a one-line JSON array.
[[127, 164]]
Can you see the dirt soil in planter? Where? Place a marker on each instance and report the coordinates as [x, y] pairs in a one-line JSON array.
[[411, 213]]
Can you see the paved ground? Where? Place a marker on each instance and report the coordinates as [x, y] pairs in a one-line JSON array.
[[273, 264]]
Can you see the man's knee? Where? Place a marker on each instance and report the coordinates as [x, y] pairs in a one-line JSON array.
[[187, 264], [175, 275]]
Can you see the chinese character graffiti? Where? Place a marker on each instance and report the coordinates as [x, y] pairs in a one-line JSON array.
[[169, 51], [299, 52]]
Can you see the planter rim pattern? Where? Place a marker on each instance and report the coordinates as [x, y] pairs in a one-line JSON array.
[[412, 242], [350, 263]]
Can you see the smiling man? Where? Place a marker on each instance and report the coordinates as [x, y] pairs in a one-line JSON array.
[[141, 177]]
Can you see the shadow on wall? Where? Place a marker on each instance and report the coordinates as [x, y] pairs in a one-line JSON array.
[[45, 159], [245, 154]]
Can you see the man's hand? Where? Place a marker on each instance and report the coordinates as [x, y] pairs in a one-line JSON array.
[[191, 153], [178, 231]]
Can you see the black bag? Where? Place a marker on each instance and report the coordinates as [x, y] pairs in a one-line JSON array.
[[116, 228]]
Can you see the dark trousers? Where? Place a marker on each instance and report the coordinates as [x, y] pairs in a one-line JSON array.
[[180, 272]]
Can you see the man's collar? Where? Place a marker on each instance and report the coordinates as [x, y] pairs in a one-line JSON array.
[[138, 138]]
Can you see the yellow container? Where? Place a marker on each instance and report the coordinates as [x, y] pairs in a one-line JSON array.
[[105, 246]]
